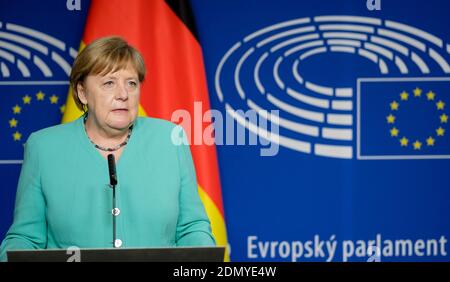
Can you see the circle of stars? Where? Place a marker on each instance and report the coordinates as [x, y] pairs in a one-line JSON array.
[[396, 133], [26, 100]]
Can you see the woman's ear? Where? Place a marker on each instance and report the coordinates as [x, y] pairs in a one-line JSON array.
[[81, 92]]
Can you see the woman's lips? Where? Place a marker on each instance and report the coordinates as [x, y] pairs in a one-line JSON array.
[[120, 112]]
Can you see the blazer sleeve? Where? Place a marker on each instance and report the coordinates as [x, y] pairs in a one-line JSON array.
[[193, 225], [29, 227]]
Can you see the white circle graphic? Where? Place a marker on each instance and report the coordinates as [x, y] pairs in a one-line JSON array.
[[314, 118], [29, 51]]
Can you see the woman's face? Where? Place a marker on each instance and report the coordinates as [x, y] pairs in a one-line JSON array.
[[112, 99]]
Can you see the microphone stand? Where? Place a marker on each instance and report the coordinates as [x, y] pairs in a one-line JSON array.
[[112, 184]]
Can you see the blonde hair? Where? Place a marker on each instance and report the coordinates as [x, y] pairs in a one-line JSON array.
[[102, 56]]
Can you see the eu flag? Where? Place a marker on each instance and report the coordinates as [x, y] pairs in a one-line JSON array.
[[403, 118], [28, 106]]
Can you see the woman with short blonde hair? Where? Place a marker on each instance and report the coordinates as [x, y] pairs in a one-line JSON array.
[[63, 196]]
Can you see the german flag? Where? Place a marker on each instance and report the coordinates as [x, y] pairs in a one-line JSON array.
[[164, 32]]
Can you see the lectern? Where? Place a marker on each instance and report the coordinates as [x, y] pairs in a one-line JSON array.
[[177, 254]]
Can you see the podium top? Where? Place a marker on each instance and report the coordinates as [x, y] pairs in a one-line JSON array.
[[176, 254]]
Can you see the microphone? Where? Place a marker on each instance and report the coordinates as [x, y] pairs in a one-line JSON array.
[[112, 170], [113, 183]]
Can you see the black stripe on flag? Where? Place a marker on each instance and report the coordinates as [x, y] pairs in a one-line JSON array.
[[182, 9]]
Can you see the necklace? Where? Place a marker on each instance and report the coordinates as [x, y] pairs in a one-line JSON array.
[[115, 148]]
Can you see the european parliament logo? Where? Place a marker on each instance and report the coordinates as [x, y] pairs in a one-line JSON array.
[[310, 69], [34, 68]]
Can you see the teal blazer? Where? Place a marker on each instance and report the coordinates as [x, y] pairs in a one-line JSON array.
[[63, 198]]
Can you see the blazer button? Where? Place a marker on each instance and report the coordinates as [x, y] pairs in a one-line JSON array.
[[118, 243], [116, 211]]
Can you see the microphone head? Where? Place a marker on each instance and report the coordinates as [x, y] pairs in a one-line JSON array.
[[112, 170], [111, 158]]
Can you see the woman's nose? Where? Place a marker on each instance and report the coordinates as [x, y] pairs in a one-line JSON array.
[[122, 92]]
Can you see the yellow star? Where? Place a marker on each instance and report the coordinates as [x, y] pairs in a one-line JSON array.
[[62, 109], [417, 92], [404, 142], [26, 99], [430, 141], [440, 131], [404, 95], [443, 118], [17, 136], [13, 122], [440, 105], [394, 106], [430, 95], [16, 109], [394, 132], [390, 118], [40, 96], [54, 99], [417, 145]]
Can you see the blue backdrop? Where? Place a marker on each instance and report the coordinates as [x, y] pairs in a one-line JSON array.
[[363, 99], [306, 194]]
